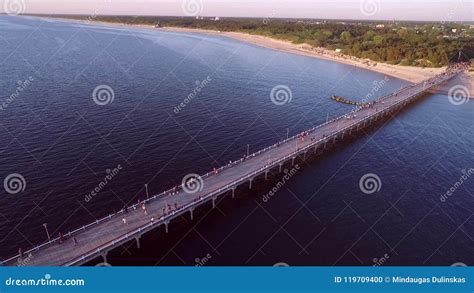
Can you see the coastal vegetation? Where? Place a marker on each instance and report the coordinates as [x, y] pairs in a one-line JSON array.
[[405, 43]]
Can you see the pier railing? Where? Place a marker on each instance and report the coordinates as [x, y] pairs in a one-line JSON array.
[[227, 187], [245, 178]]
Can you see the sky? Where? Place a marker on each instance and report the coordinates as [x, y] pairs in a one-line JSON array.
[[437, 10]]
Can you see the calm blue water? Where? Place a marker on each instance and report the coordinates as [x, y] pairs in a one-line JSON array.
[[62, 143]]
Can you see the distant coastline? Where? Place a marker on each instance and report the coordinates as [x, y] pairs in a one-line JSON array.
[[408, 73]]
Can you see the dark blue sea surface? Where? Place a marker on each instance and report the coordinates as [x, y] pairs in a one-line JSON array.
[[62, 142]]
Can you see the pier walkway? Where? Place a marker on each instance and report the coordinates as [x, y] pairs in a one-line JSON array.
[[97, 238]]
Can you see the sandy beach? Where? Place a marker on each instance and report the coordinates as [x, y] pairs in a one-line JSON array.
[[470, 84], [408, 73]]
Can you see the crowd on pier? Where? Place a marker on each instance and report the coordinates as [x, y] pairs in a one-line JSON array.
[[170, 209]]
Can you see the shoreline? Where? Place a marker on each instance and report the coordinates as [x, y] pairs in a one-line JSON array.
[[407, 73]]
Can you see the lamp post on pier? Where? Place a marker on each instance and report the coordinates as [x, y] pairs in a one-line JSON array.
[[45, 225]]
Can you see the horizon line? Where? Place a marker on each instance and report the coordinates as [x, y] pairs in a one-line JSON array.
[[242, 17]]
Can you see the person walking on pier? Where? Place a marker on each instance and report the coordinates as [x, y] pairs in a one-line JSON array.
[[74, 239], [124, 220], [144, 209]]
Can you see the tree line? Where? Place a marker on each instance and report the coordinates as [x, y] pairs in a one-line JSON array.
[[415, 44]]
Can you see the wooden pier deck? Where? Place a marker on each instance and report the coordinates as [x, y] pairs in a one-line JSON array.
[[96, 239]]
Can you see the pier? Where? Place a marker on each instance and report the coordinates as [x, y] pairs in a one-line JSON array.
[[98, 238]]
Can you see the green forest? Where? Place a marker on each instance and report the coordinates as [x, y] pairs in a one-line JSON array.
[[404, 43]]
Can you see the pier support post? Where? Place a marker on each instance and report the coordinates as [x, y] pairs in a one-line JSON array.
[[281, 165], [191, 212], [334, 140], [315, 149], [138, 242], [166, 226], [266, 174], [233, 192], [213, 202], [104, 256], [325, 144], [293, 161], [304, 155], [250, 183]]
